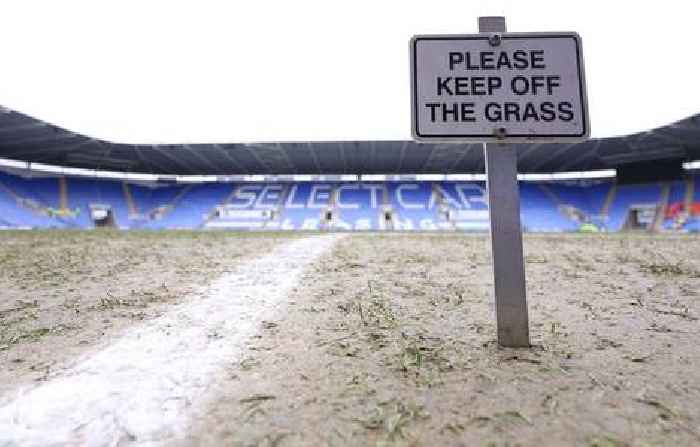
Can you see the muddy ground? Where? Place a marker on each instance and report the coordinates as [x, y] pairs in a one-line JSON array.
[[390, 341], [64, 293]]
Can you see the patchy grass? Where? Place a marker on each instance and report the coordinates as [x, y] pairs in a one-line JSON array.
[[606, 441], [677, 268], [63, 291], [393, 422], [401, 350], [390, 340]]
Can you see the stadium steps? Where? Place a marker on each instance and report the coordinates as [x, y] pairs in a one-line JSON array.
[[175, 202], [609, 199], [178, 198], [279, 210], [643, 195], [558, 204], [386, 224], [442, 205], [661, 208], [213, 212], [550, 194], [271, 223], [332, 208], [62, 193], [42, 216], [130, 203], [569, 211], [30, 205], [689, 192], [10, 192]]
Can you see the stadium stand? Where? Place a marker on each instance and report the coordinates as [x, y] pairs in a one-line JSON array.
[[32, 140], [649, 193], [551, 206]]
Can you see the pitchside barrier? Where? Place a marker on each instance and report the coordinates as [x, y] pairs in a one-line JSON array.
[[499, 88]]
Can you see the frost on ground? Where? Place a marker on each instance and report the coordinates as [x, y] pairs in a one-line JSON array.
[[66, 292], [147, 383], [390, 341]]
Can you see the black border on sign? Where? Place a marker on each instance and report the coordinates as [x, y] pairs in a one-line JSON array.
[[504, 36]]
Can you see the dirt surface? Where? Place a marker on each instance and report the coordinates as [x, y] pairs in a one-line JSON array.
[[63, 293], [390, 340]]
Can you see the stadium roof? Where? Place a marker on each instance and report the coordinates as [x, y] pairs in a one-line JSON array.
[[31, 140]]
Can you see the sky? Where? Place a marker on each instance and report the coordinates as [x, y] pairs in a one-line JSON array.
[[201, 71]]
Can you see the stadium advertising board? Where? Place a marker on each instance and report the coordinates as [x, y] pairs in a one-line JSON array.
[[502, 87]]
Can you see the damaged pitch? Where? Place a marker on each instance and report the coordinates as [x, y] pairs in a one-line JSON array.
[[390, 340], [147, 382]]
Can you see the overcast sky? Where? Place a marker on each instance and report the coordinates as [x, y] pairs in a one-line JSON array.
[[156, 71]]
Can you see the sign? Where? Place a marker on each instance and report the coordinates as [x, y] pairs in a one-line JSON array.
[[495, 87]]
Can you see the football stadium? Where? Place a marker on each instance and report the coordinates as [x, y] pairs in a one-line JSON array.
[[349, 316], [314, 293], [55, 178]]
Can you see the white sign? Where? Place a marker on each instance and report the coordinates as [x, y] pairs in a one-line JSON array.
[[498, 87]]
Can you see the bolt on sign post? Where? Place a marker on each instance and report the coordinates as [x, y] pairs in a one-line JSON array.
[[500, 88]]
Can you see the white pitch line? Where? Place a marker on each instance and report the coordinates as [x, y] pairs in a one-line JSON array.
[[142, 387]]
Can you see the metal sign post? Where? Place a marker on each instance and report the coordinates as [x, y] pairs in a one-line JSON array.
[[506, 234], [500, 88], [506, 244]]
